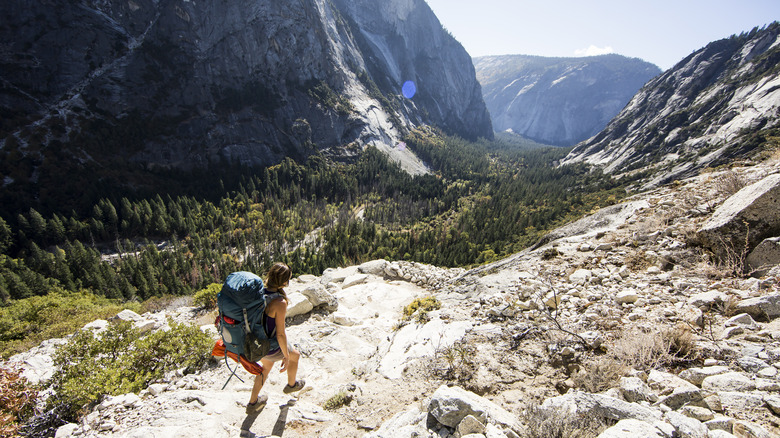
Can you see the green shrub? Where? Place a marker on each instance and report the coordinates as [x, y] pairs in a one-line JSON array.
[[25, 323], [121, 360], [340, 399], [207, 297], [422, 306]]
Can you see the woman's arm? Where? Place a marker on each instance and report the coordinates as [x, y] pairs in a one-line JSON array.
[[278, 311]]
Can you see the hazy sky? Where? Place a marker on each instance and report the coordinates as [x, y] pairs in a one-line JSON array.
[[659, 31]]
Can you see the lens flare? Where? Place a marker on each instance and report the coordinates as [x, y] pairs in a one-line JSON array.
[[409, 89], [401, 146]]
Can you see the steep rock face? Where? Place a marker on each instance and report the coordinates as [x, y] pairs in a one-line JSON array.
[[559, 101], [705, 110], [182, 84]]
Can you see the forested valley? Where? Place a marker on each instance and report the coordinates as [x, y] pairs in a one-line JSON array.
[[482, 201]]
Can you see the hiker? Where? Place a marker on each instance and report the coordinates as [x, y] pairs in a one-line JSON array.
[[278, 277]]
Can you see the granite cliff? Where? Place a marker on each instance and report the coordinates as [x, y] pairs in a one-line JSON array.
[[719, 103], [182, 84], [559, 101]]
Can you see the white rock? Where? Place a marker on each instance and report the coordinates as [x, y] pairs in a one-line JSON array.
[[773, 401], [344, 319], [720, 434], [746, 429], [664, 383], [582, 403], [766, 307], [744, 320], [741, 401], [374, 267], [297, 304], [631, 428], [707, 299], [634, 389], [697, 412], [471, 425], [728, 382], [318, 295], [403, 424], [127, 315], [354, 280], [768, 372], [97, 326], [697, 375], [628, 296], [66, 431], [450, 405], [686, 427], [580, 276]]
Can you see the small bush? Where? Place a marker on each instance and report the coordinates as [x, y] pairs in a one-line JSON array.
[[636, 260], [423, 306], [121, 360], [340, 399], [552, 423], [455, 363], [17, 401], [600, 374], [729, 183], [207, 298]]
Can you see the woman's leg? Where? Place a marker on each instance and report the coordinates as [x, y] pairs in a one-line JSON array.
[[292, 366], [260, 380]]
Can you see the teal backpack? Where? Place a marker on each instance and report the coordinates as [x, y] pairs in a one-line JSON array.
[[241, 323]]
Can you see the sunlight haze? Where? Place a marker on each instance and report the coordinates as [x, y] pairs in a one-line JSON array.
[[662, 32]]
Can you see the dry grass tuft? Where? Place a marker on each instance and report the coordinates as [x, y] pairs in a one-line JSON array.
[[551, 423], [729, 183], [636, 260]]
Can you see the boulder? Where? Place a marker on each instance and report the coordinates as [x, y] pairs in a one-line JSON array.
[[634, 389], [697, 375], [746, 218], [628, 296], [297, 304], [354, 280], [761, 308], [764, 257], [127, 315], [683, 396], [746, 429], [583, 403], [319, 296], [374, 267], [581, 276], [744, 320], [631, 428], [403, 424], [450, 405], [686, 427], [728, 382], [707, 300]]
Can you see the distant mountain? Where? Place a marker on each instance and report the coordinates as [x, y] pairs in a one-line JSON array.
[[182, 85], [719, 103], [559, 101]]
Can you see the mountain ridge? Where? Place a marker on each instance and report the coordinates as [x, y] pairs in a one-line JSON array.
[[558, 101], [717, 104]]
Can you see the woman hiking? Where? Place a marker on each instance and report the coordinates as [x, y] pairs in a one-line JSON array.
[[278, 277]]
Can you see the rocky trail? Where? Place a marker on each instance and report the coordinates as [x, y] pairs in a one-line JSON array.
[[616, 325]]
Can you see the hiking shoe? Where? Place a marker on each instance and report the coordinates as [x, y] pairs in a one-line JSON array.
[[257, 406], [297, 387]]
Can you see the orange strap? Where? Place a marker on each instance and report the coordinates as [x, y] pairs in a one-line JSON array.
[[219, 350]]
